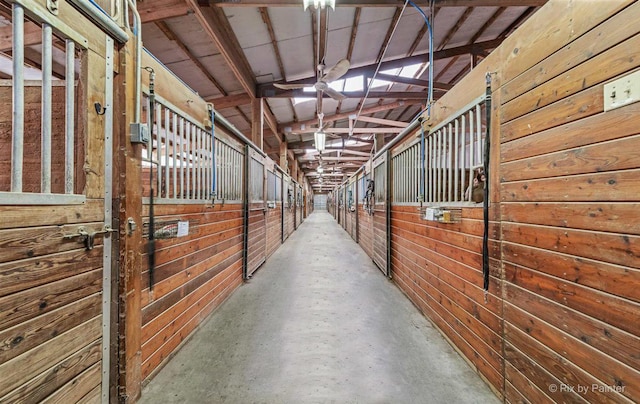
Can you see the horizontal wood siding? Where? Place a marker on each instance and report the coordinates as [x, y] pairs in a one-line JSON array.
[[570, 193], [274, 228], [288, 221], [193, 275], [51, 286], [257, 243], [439, 267], [365, 231]]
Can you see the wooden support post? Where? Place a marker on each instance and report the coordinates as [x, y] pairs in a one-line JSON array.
[[128, 205], [257, 122], [379, 143], [283, 155]]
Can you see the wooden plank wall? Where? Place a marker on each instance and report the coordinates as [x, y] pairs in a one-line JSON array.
[[365, 226], [274, 228], [193, 276], [51, 287], [289, 211], [439, 267], [570, 193], [559, 323]]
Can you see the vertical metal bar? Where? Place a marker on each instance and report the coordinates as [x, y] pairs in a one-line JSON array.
[[160, 143], [456, 162], [439, 165], [187, 139], [449, 162], [17, 136], [479, 133], [167, 123], [430, 170], [45, 149], [107, 241], [194, 153], [174, 153], [463, 144], [69, 105], [181, 156], [471, 151]]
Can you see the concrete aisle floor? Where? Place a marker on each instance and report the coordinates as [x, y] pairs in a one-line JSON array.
[[318, 323]]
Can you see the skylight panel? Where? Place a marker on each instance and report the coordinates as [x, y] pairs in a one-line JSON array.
[[300, 100], [337, 85], [353, 84], [410, 71]]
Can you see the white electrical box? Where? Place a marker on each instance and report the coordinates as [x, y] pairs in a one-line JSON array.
[[139, 133], [621, 92]]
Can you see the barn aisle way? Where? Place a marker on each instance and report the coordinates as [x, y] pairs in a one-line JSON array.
[[318, 323]]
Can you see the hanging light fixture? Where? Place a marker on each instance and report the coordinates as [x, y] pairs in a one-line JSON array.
[[320, 138], [320, 169], [318, 4]]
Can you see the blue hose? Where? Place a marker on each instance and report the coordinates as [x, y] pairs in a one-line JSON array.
[[430, 97], [430, 88]]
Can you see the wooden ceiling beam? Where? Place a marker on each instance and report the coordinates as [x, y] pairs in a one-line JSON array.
[[398, 95], [377, 3], [413, 82], [353, 130], [229, 101], [157, 10], [217, 27], [381, 121], [267, 89], [292, 126]]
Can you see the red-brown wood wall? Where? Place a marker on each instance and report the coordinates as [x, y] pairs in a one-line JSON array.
[[559, 323], [193, 275], [569, 192]]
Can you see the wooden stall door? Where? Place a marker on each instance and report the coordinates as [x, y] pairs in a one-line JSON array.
[[55, 231], [257, 237], [380, 245]]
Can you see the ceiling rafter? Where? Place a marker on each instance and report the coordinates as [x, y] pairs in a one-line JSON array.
[[166, 30], [157, 10], [477, 35], [396, 95], [267, 88], [352, 41], [455, 28], [376, 3], [344, 115], [229, 101], [216, 25]]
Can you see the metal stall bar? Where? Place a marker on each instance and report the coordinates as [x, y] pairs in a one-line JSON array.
[[463, 145], [17, 136], [456, 161], [187, 139], [45, 150], [471, 151], [174, 153], [479, 132], [167, 122], [181, 154], [69, 117], [448, 162]]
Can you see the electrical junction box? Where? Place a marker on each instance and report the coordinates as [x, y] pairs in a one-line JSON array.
[[139, 133], [621, 92]]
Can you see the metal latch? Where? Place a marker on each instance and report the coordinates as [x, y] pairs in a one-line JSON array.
[[88, 237]]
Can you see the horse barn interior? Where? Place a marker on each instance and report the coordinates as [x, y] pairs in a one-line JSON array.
[[371, 201]]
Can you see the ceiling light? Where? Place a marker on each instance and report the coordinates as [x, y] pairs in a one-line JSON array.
[[318, 4], [320, 169], [320, 138]]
